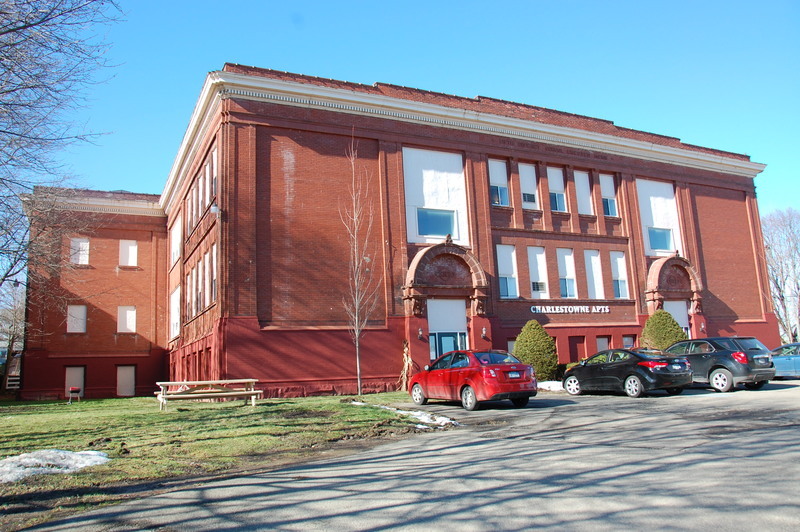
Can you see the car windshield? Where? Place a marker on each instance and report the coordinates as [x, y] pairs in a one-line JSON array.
[[751, 344], [488, 358]]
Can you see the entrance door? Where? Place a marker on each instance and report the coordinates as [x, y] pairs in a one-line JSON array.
[[74, 378], [126, 381], [447, 325], [680, 311]]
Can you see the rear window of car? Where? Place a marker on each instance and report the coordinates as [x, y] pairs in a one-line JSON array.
[[751, 344], [489, 358]]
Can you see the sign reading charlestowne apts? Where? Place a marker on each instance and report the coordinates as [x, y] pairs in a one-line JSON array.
[[570, 309]]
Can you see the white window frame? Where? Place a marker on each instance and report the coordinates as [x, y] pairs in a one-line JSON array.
[[608, 190], [214, 286], [583, 189], [498, 183], [566, 274], [175, 312], [79, 250], [529, 186], [507, 271], [128, 253], [126, 319], [537, 267], [555, 182], [175, 241], [435, 180], [658, 210], [76, 318], [619, 275], [594, 274]]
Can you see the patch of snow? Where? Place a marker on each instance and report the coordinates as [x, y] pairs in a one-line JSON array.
[[551, 386], [425, 417], [48, 461]]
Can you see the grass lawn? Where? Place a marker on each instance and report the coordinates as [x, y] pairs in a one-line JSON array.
[[151, 450]]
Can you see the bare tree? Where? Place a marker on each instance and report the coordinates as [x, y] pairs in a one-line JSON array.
[[48, 54], [363, 277], [12, 318], [782, 241]]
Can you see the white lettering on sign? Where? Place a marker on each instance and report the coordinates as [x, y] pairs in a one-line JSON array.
[[570, 309]]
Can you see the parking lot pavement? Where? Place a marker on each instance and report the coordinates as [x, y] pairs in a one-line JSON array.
[[697, 461]]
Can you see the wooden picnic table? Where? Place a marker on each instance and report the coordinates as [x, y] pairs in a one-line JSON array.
[[213, 389]]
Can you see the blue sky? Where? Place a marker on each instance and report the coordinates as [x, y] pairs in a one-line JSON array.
[[724, 75]]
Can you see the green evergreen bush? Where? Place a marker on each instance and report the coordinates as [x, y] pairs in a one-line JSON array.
[[537, 348], [661, 331]]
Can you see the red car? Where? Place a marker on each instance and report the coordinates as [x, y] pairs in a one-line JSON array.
[[474, 376]]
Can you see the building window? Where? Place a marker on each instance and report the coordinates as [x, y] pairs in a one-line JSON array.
[[214, 173], [498, 183], [609, 193], [436, 222], [79, 251], [555, 181], [507, 271], [583, 188], [128, 251], [566, 273], [435, 196], [537, 266], [126, 319], [189, 292], [76, 318], [214, 272], [527, 181], [660, 238], [619, 275], [658, 211], [603, 343], [207, 278], [175, 313], [594, 274], [628, 341], [175, 241]]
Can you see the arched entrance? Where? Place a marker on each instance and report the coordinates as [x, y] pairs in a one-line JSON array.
[[674, 285], [448, 281]]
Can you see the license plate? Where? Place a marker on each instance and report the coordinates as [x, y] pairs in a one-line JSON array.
[[677, 367], [513, 374]]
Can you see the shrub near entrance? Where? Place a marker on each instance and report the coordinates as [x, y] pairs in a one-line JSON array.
[[661, 331], [537, 348]]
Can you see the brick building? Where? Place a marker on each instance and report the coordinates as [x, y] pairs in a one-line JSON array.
[[487, 214]]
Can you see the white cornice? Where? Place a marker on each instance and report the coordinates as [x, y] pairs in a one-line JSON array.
[[111, 206], [226, 84]]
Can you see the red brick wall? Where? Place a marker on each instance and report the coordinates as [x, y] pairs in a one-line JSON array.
[[102, 286]]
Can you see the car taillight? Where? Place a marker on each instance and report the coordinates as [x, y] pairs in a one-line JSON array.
[[529, 374], [489, 372], [653, 364], [739, 357]]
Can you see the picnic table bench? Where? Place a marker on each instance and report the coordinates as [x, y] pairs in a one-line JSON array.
[[219, 389]]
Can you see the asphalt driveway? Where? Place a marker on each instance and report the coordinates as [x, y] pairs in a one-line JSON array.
[[697, 461]]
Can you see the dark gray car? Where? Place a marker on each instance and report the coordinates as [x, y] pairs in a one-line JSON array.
[[724, 362]]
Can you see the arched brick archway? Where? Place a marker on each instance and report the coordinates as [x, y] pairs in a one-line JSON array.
[[674, 278], [445, 270]]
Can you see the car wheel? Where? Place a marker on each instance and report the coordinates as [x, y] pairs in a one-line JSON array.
[[418, 395], [520, 402], [633, 386], [677, 390], [572, 385], [468, 399], [755, 385], [721, 380]]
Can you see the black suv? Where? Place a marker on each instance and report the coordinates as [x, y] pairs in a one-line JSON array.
[[727, 361]]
